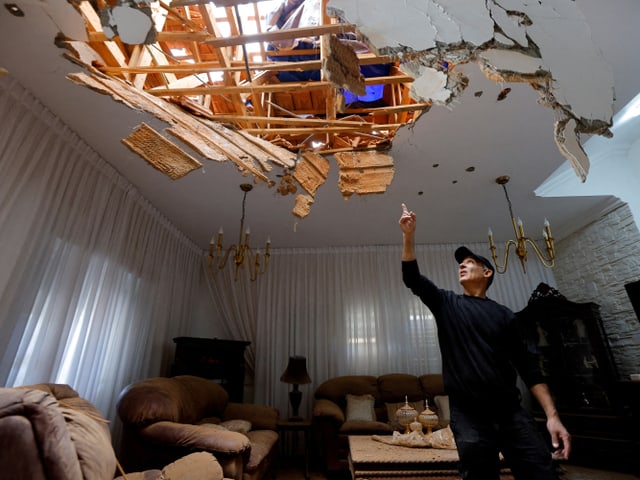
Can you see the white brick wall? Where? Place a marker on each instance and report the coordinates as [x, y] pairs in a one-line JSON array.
[[593, 265]]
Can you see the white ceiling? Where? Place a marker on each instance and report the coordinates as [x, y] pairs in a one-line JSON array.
[[511, 137]]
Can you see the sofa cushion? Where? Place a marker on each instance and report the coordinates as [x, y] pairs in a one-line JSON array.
[[335, 389], [432, 385], [182, 399], [394, 387], [262, 444], [196, 466], [237, 425], [360, 407]]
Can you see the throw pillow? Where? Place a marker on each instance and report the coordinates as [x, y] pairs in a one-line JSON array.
[[442, 406], [237, 425], [360, 407]]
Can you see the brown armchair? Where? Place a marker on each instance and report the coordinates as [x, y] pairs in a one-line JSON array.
[[165, 419]]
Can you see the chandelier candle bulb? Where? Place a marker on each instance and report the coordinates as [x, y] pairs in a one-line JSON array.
[[239, 253], [521, 240]]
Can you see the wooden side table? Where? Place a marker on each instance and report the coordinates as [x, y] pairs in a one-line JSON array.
[[296, 426]]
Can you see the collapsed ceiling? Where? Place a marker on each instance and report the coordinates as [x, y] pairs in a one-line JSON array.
[[281, 84]]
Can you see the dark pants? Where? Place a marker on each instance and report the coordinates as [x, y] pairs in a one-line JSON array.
[[480, 435]]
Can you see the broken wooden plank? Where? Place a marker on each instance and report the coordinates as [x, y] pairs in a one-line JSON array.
[[160, 153], [277, 154], [274, 35]]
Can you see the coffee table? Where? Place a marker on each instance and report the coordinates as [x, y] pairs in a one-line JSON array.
[[371, 459]]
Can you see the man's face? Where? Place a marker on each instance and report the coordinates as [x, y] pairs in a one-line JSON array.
[[470, 271]]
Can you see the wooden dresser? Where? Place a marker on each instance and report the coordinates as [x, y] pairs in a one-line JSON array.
[[220, 360]]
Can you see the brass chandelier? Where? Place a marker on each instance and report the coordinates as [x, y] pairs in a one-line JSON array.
[[521, 240], [242, 252]]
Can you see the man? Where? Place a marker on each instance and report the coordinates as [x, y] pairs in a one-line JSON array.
[[482, 350]]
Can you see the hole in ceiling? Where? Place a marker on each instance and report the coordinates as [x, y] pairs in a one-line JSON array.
[[14, 9]]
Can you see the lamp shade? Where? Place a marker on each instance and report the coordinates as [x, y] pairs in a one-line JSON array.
[[296, 371]]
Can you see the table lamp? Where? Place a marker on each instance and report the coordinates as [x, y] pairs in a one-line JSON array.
[[296, 374]]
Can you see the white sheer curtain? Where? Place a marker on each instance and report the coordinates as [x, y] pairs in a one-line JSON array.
[[348, 312], [94, 282]]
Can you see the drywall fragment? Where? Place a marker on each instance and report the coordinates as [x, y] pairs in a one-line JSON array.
[[303, 204], [311, 171], [160, 153], [341, 66], [568, 143], [511, 66], [364, 172], [547, 44], [429, 84]]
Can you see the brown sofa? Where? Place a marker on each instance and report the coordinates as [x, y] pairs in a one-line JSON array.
[[48, 431], [165, 419], [333, 424]]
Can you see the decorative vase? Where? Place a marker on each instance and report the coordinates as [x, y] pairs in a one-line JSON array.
[[406, 414], [428, 418]]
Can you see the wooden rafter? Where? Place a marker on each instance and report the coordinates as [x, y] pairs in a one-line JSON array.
[[233, 78]]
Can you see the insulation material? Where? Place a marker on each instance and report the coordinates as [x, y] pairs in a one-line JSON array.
[[547, 44], [160, 153], [342, 68], [311, 172], [364, 172]]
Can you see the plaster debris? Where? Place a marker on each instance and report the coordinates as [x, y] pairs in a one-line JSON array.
[[160, 153], [311, 172], [303, 204], [364, 172], [566, 140], [547, 44]]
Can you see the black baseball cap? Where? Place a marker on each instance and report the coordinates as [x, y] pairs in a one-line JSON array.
[[464, 252]]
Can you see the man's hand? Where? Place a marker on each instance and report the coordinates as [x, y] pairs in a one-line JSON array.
[[560, 438], [407, 220]]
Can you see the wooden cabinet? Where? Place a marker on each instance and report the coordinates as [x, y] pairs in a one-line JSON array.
[[578, 367], [220, 360], [575, 357]]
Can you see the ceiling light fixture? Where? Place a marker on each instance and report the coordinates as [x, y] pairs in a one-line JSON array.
[[520, 243], [242, 251]]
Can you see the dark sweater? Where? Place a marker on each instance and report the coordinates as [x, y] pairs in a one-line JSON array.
[[481, 345]]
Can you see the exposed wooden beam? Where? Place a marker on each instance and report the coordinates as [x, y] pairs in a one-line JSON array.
[[288, 87], [219, 3], [322, 130], [271, 36], [236, 66]]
